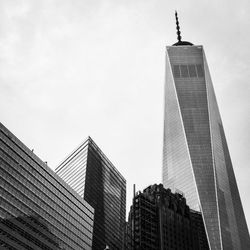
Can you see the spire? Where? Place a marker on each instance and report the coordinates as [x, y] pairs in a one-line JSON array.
[[177, 27], [180, 42]]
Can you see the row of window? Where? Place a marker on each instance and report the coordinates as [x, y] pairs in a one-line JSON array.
[[22, 156], [188, 71], [27, 189], [19, 164], [36, 190]]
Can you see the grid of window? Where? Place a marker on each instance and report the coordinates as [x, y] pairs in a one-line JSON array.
[[37, 209]]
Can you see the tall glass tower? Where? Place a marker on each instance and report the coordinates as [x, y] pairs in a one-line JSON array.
[[90, 173], [196, 158]]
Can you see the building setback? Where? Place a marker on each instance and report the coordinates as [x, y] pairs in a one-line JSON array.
[[93, 176], [196, 158], [38, 210], [161, 220]]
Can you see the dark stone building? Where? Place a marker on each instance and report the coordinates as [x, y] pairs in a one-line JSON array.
[[160, 219]]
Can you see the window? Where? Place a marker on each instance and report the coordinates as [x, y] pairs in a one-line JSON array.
[[184, 71], [199, 70], [192, 71], [188, 71], [177, 73]]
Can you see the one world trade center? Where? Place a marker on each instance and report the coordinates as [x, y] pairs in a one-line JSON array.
[[196, 158]]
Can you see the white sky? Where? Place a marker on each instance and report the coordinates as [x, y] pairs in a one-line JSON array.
[[69, 69]]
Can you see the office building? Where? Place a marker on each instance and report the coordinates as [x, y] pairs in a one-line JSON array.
[[38, 210], [160, 219], [196, 158], [89, 172]]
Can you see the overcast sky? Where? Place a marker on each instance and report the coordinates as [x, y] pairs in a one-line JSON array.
[[69, 69]]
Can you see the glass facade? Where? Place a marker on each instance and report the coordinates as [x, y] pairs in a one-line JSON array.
[[38, 210], [94, 177], [196, 159]]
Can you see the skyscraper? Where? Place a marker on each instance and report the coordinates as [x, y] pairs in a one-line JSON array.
[[38, 210], [196, 158], [93, 176]]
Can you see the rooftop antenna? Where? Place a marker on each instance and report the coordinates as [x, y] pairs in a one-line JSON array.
[[180, 42], [177, 27]]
